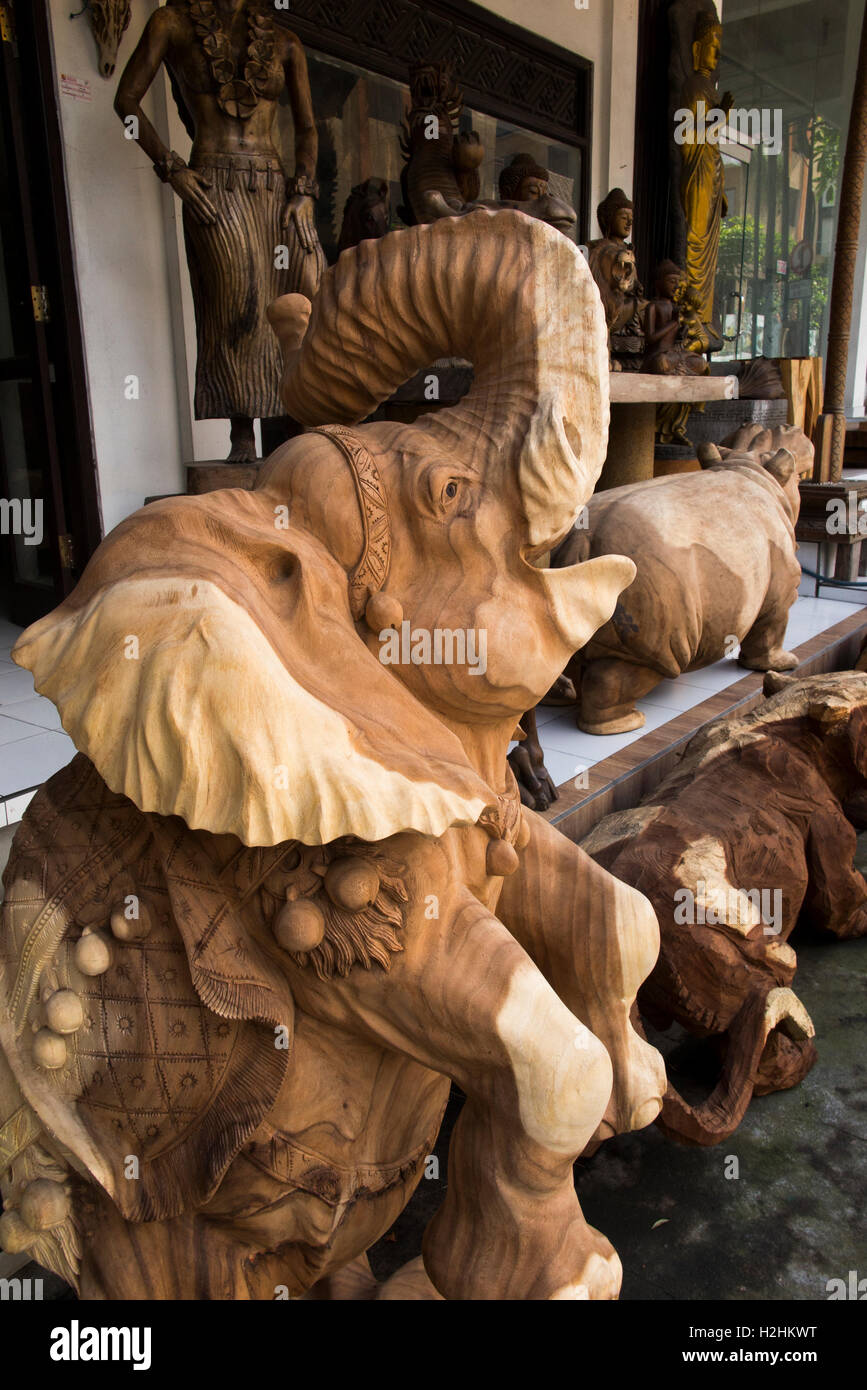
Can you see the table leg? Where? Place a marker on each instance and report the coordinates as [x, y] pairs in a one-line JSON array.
[[630, 444]]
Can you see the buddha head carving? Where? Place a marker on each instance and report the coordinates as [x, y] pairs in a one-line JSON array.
[[614, 215], [707, 43], [523, 180]]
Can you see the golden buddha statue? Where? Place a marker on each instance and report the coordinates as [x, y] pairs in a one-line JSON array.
[[702, 178]]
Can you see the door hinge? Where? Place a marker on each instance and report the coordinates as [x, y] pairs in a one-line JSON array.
[[7, 22], [41, 311], [66, 546]]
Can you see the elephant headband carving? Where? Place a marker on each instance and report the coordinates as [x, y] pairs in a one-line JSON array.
[[371, 572]]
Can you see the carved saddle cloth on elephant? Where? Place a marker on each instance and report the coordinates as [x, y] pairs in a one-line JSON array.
[[187, 1034]]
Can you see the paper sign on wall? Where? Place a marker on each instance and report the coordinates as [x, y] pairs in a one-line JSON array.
[[75, 87]]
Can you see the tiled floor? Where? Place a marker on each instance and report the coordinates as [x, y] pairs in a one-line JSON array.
[[569, 752], [33, 745]]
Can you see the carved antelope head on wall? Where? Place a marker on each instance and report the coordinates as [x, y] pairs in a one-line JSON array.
[[109, 20]]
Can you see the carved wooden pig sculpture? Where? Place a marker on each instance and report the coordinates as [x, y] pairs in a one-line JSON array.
[[715, 555], [253, 931], [747, 833]]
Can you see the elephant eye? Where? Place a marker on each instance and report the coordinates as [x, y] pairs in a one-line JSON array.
[[445, 493]]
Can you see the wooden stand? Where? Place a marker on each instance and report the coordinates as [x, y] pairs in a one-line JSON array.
[[212, 474], [634, 398]]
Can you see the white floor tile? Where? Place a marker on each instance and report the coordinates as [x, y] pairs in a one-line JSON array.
[[11, 730], [564, 767], [29, 761], [713, 678], [675, 696], [16, 806], [15, 685], [545, 713], [563, 736], [9, 635], [37, 711]]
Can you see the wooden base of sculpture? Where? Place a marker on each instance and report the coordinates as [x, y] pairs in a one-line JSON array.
[[209, 475]]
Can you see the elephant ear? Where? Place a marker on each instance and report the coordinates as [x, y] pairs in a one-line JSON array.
[[209, 666]]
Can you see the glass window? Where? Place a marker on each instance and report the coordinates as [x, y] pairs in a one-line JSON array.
[[793, 62], [359, 117]]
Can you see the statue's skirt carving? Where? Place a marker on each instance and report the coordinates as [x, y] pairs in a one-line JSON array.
[[234, 278]]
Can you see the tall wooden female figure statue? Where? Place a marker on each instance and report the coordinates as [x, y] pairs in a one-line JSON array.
[[229, 62]]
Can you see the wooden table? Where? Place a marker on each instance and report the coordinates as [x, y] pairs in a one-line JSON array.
[[634, 398]]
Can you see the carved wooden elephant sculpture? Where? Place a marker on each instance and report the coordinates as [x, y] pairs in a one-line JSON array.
[[715, 555], [255, 929], [747, 834]]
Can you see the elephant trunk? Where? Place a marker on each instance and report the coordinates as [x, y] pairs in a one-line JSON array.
[[503, 290], [769, 1049]]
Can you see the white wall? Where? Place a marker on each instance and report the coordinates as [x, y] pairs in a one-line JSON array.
[[118, 211], [606, 33]]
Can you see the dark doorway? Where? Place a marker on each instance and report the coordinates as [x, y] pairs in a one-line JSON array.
[[49, 514]]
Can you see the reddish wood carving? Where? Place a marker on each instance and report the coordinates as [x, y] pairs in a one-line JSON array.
[[747, 834]]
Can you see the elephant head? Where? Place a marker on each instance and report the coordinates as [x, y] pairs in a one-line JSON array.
[[267, 664]]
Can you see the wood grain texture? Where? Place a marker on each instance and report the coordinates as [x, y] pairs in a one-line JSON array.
[[622, 779], [272, 875], [716, 569], [648, 387], [746, 836]]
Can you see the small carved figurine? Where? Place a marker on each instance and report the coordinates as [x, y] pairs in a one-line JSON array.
[[612, 262], [365, 214], [672, 342], [748, 833], [441, 175]]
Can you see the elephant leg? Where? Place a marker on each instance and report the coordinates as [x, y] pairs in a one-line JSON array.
[[762, 648], [609, 689], [464, 999], [837, 893], [595, 940], [179, 1259]]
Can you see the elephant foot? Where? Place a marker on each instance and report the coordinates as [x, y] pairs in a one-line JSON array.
[[620, 724], [639, 1078], [776, 660], [600, 1279], [529, 1247]]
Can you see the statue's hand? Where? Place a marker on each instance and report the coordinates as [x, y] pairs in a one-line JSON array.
[[727, 101], [190, 186], [299, 209]]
